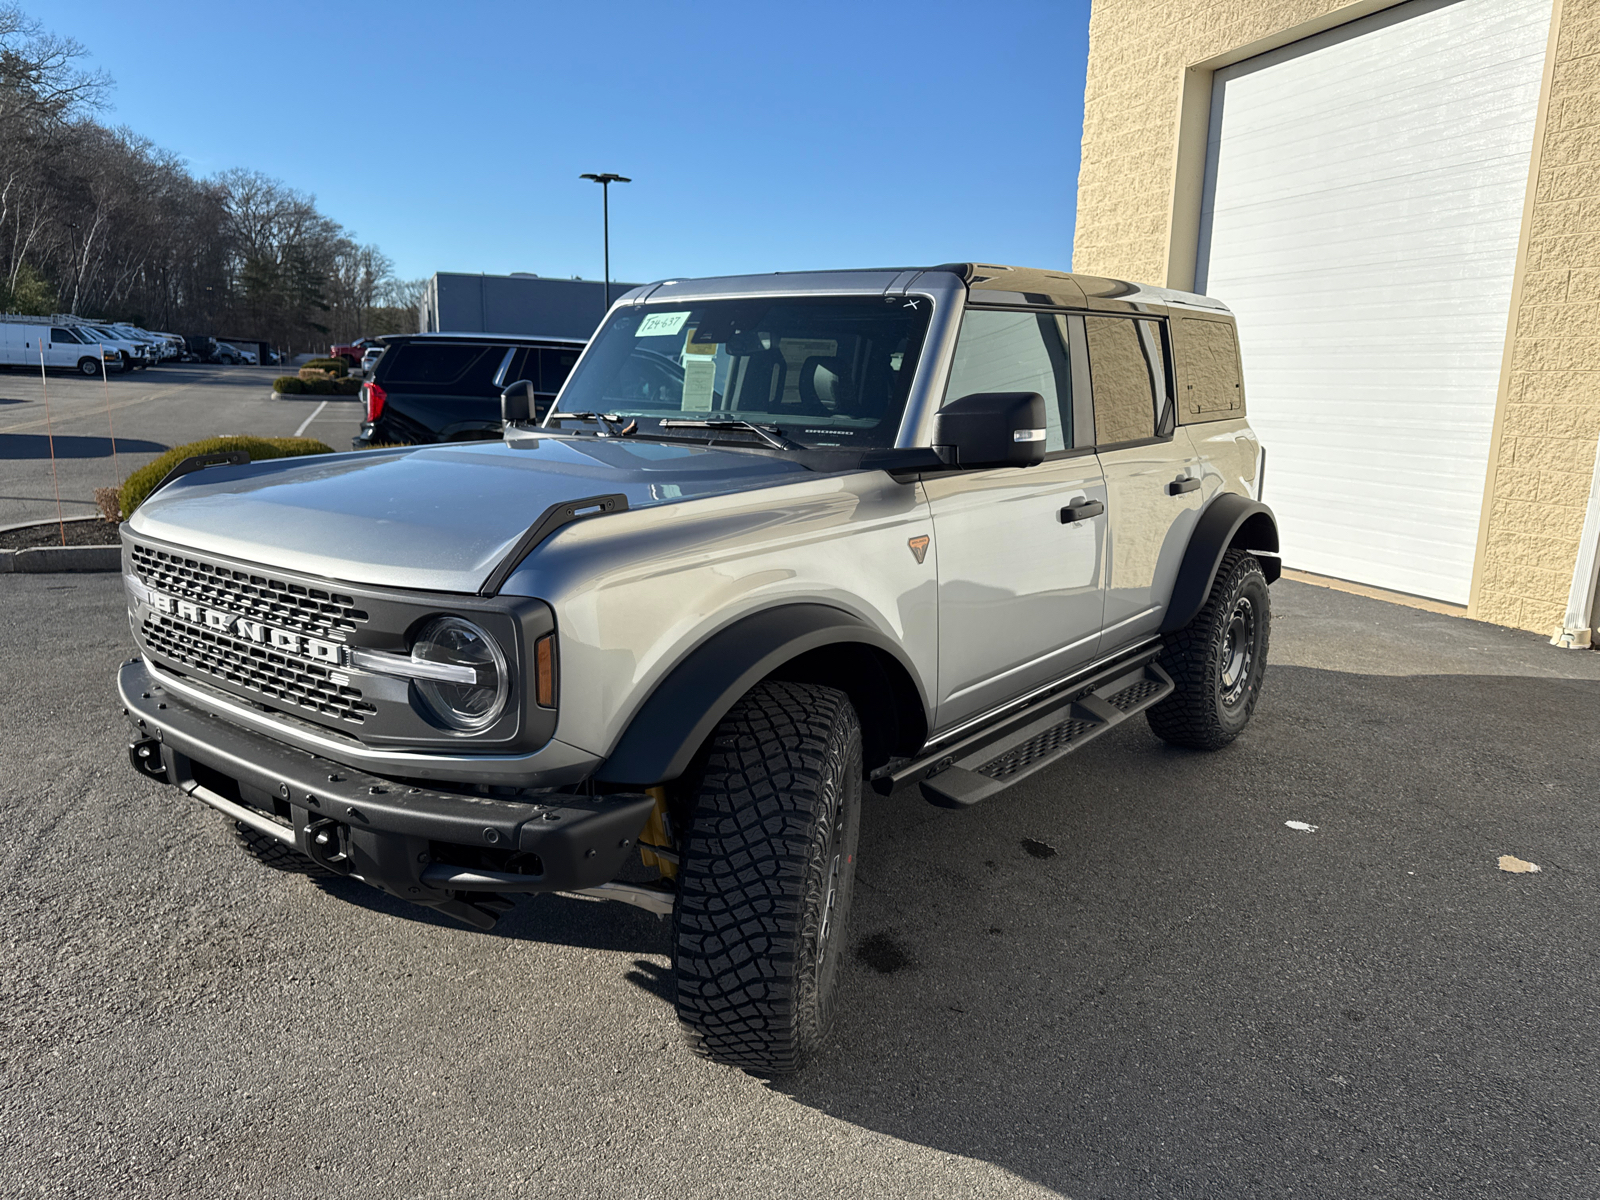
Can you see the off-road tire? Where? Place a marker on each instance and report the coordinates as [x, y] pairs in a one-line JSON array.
[[1217, 691], [270, 852], [772, 840]]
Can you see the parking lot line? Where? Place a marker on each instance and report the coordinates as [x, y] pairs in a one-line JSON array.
[[314, 414]]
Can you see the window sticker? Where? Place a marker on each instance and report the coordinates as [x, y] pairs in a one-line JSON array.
[[661, 324], [699, 380]]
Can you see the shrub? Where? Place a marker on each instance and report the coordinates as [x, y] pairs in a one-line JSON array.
[[320, 387], [136, 487], [109, 502], [289, 385], [347, 387], [333, 366]]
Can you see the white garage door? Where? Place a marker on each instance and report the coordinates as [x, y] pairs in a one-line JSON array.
[[1364, 192]]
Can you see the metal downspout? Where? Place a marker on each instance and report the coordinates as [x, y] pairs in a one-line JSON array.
[[1578, 625]]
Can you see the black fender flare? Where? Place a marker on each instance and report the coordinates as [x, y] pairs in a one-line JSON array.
[[693, 697], [1229, 521]]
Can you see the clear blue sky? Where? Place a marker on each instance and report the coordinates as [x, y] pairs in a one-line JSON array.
[[760, 136]]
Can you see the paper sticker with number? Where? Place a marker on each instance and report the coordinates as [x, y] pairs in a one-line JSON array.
[[661, 324]]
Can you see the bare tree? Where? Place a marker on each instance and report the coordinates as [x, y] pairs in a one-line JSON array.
[[104, 223]]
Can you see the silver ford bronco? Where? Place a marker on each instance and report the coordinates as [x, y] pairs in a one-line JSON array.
[[779, 540]]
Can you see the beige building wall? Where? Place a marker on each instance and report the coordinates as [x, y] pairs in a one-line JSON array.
[[1146, 113]]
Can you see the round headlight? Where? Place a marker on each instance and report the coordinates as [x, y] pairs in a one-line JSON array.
[[467, 702]]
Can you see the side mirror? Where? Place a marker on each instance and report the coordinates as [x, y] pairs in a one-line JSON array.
[[991, 429], [516, 402]]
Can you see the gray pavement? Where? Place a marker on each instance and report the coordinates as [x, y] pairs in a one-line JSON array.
[[1124, 978], [145, 413]]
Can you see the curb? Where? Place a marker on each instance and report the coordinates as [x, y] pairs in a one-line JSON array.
[[45, 559], [35, 522]]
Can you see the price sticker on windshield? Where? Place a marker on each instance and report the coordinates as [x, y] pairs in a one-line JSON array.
[[661, 324]]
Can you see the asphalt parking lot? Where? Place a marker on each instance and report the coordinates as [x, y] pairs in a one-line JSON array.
[[1125, 978], [144, 413]]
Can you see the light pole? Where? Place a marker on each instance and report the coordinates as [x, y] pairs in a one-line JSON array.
[[605, 181]]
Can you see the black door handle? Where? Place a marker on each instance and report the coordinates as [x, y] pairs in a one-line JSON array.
[[1181, 485], [1081, 511]]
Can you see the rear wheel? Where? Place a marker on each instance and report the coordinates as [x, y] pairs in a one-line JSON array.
[[767, 875], [1218, 660]]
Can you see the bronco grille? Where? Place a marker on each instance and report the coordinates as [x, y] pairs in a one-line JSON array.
[[308, 610], [274, 675], [263, 669]]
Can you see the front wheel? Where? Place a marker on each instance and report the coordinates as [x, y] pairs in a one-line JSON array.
[[767, 874], [1218, 660], [89, 366]]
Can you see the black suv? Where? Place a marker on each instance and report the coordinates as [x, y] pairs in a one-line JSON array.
[[445, 387]]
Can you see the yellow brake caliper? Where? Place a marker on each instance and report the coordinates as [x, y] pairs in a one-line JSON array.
[[655, 834]]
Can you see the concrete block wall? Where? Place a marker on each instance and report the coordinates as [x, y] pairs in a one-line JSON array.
[[1143, 57]]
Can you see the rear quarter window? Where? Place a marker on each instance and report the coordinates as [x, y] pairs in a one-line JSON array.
[[468, 368], [1212, 387]]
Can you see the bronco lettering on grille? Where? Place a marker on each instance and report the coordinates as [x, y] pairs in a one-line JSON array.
[[284, 640]]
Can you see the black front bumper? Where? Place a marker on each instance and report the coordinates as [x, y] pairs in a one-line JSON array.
[[430, 847]]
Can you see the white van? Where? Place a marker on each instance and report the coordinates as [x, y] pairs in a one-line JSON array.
[[24, 344]]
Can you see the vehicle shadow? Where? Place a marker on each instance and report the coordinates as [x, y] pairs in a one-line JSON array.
[[38, 445], [1128, 977], [560, 920]]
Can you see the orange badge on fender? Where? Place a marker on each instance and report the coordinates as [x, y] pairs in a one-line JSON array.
[[919, 546]]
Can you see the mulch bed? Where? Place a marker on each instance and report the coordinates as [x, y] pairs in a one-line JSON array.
[[79, 533]]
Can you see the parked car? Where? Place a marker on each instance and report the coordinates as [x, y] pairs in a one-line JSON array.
[[445, 387], [154, 346], [782, 540], [30, 342], [369, 359], [353, 352], [228, 355], [133, 354]]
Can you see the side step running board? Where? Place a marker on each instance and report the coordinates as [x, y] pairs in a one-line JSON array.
[[1041, 736]]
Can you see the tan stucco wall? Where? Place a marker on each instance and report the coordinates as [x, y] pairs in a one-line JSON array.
[[1144, 129], [1139, 54], [1544, 451]]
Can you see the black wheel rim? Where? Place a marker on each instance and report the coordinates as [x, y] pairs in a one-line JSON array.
[[1238, 653]]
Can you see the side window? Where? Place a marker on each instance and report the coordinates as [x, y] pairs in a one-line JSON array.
[[1016, 352], [1127, 363], [58, 334], [1211, 367], [554, 367]]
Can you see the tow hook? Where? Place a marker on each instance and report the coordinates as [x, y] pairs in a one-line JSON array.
[[145, 755], [325, 845]]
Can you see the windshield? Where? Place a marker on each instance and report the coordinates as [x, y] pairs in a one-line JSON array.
[[830, 372]]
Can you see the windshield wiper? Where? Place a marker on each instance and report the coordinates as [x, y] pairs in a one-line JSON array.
[[770, 434], [612, 422]]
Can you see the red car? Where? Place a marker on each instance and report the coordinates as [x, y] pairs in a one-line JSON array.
[[353, 352]]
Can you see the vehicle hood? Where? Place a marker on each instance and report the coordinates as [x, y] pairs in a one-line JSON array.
[[438, 518]]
